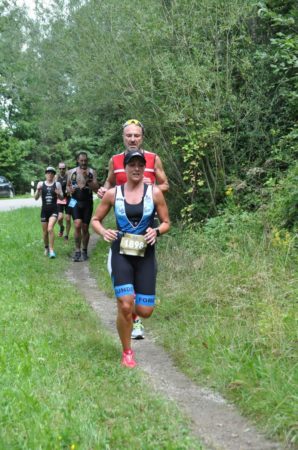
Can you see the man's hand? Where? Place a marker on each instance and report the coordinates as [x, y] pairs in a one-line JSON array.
[[147, 180], [101, 192], [71, 188]]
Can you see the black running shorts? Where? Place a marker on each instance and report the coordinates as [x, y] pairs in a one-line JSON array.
[[47, 212], [135, 274], [82, 211]]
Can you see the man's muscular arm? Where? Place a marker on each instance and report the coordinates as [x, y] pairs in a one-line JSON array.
[[69, 187], [93, 184], [161, 178], [110, 181], [59, 191]]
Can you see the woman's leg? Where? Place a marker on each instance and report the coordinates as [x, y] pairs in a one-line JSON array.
[[125, 306], [45, 235], [145, 283], [144, 311], [122, 276], [51, 224]]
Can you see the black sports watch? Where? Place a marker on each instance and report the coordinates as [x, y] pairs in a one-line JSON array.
[[157, 232]]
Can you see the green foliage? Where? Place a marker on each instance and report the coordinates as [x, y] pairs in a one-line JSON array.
[[283, 208], [228, 300], [14, 160], [198, 148], [221, 73]]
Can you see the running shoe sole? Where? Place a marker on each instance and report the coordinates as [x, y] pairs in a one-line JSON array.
[[138, 337]]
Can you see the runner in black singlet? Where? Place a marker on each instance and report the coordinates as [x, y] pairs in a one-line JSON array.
[[133, 254], [49, 190], [81, 183], [63, 204]]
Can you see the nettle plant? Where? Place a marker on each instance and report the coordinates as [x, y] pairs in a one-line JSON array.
[[199, 151]]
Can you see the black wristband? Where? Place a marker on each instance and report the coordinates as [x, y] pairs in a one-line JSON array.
[[157, 232]]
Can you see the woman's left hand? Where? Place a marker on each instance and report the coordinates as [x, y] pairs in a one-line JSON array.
[[150, 236]]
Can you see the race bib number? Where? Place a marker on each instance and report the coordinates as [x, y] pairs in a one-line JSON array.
[[72, 203], [133, 245]]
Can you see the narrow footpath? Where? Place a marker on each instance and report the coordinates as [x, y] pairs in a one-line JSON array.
[[214, 421]]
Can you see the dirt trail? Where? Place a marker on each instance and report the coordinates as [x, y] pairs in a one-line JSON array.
[[215, 422]]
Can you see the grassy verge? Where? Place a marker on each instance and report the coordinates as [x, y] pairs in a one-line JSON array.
[[226, 312], [17, 196], [62, 386]]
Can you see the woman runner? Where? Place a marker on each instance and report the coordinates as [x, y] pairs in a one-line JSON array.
[[133, 252], [49, 190]]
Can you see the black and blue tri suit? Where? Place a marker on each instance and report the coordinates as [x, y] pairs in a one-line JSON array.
[[134, 274]]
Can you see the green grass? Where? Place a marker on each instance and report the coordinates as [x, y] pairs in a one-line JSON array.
[[227, 312], [17, 196], [62, 386]]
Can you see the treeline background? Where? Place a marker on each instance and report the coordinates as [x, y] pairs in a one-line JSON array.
[[213, 81]]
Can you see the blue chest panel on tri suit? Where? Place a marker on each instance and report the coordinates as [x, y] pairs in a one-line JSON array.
[[147, 218]]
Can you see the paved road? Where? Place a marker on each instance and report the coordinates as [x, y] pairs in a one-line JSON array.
[[15, 203]]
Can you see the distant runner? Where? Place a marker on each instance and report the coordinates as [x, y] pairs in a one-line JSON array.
[[63, 204], [81, 183], [49, 190], [133, 135], [133, 253]]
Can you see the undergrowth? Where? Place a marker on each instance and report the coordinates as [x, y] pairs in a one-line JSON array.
[[226, 311]]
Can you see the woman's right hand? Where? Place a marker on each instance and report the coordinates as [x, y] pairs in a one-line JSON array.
[[110, 235]]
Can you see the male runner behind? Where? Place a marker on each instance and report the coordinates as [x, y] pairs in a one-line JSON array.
[[81, 183], [133, 135], [63, 204]]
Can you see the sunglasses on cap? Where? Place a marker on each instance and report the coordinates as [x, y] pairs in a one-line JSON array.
[[133, 122]]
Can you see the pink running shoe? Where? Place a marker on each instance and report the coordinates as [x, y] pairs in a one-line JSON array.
[[128, 359]]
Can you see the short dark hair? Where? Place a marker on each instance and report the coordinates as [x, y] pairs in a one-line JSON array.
[[82, 153]]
